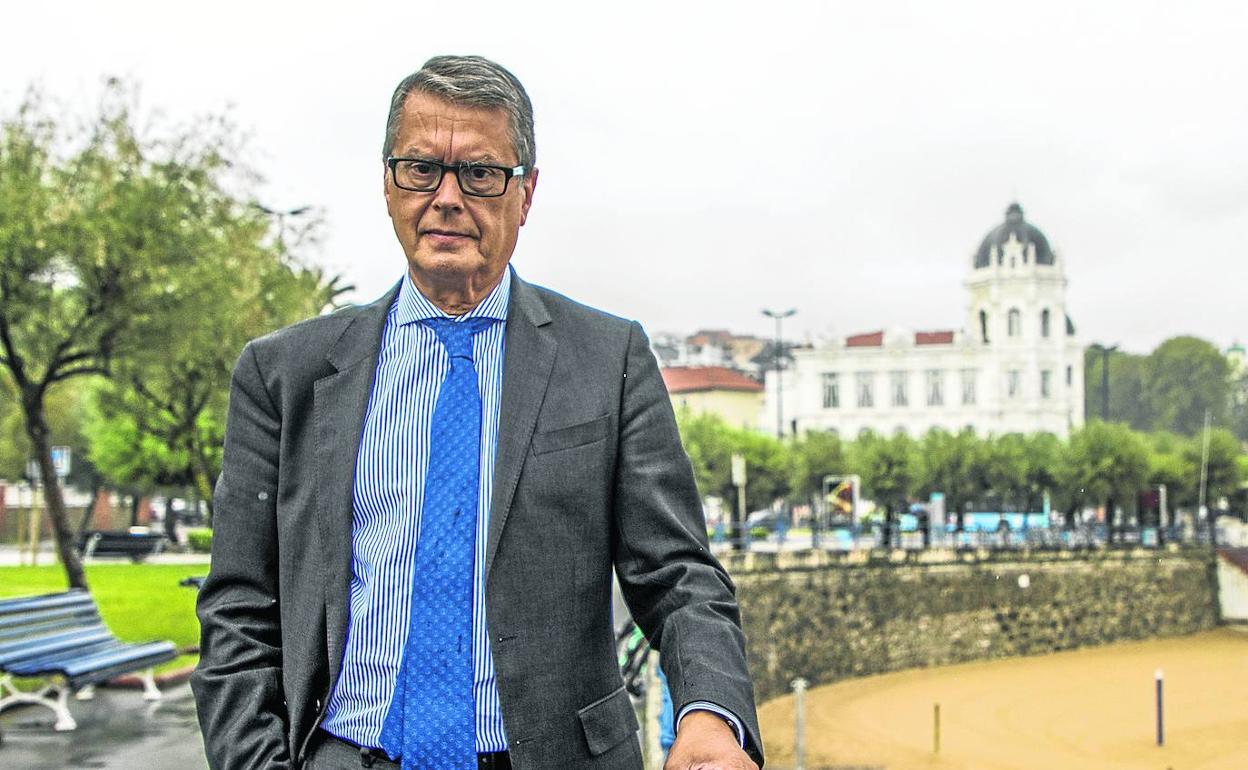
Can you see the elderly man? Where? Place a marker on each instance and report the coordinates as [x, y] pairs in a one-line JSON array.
[[423, 500]]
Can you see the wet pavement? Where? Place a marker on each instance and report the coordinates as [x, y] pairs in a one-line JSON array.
[[116, 731]]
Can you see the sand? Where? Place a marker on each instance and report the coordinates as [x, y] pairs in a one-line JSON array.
[[1090, 709]]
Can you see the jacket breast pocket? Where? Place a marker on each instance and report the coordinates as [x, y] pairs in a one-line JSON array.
[[608, 721], [571, 436]]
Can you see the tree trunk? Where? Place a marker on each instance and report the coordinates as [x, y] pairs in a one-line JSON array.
[[201, 475], [171, 520], [37, 431]]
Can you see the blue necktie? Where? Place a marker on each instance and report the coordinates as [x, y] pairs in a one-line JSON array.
[[431, 718]]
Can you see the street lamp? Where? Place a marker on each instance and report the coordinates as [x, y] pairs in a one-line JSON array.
[[1105, 350], [280, 215], [779, 317]]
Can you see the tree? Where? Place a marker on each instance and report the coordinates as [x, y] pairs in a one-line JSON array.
[[1042, 470], [160, 420], [812, 457], [93, 238], [1003, 469], [1184, 378], [889, 467], [1126, 388], [710, 444], [1108, 463], [1223, 472], [947, 465]]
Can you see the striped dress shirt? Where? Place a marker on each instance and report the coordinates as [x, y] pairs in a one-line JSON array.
[[389, 486], [390, 475]]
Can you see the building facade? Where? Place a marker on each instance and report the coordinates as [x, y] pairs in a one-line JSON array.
[[1015, 366], [717, 390]]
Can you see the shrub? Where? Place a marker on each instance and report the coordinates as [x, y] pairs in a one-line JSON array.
[[200, 539]]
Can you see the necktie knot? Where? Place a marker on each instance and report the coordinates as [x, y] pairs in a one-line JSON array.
[[456, 336]]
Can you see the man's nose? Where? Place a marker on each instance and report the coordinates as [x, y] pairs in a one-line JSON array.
[[448, 195]]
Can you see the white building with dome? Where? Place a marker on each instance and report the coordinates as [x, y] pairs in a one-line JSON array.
[[1015, 366]]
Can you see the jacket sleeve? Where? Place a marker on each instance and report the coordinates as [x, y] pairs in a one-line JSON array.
[[679, 594], [238, 682]]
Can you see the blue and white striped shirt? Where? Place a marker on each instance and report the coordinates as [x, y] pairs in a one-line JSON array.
[[389, 486], [390, 472]]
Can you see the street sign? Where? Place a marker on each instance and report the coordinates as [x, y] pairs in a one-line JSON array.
[[61, 459], [738, 470]]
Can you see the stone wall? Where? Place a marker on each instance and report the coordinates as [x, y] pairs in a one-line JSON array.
[[826, 617]]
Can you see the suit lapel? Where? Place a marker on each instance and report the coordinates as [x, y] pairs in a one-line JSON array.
[[528, 359], [339, 403]]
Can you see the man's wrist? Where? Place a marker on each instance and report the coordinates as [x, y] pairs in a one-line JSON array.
[[722, 713]]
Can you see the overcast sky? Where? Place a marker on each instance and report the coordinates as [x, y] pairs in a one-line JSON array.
[[702, 161]]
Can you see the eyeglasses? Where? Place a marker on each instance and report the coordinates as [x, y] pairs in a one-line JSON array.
[[477, 179]]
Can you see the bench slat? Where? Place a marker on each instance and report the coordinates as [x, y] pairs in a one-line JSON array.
[[54, 662], [15, 652], [74, 598]]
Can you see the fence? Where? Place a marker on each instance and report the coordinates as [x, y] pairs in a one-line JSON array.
[[868, 537]]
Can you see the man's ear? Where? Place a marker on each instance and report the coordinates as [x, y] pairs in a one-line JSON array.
[[530, 184], [385, 184]]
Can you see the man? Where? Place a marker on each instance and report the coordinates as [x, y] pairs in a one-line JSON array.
[[423, 499]]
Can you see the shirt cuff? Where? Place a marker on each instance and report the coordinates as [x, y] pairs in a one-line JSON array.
[[722, 713]]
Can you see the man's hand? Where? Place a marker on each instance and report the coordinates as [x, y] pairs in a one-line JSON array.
[[706, 742]]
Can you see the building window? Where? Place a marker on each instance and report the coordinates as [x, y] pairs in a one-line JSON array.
[[899, 389], [831, 391], [935, 387], [1046, 384], [1016, 323], [1044, 323], [1013, 383], [1070, 376], [968, 386], [866, 398], [983, 325]]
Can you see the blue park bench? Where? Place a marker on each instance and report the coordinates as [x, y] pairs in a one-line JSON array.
[[61, 638]]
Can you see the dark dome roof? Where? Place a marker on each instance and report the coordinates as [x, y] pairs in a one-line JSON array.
[[1024, 231]]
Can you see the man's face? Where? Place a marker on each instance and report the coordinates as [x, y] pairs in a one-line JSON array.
[[456, 243]]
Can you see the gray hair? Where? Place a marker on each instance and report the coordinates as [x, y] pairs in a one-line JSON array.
[[474, 81]]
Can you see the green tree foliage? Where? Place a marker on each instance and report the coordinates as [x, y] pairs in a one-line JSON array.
[[889, 467], [1223, 471], [812, 457], [948, 464], [1126, 388], [160, 419], [1184, 377], [1167, 390], [1109, 463], [105, 235], [710, 443]]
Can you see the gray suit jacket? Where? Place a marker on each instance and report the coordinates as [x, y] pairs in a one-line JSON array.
[[589, 474]]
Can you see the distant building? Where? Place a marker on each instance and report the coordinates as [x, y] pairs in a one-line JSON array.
[[710, 347], [717, 390], [1015, 366]]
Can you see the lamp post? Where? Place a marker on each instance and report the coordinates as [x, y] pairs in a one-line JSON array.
[[280, 215], [779, 350], [1104, 350]]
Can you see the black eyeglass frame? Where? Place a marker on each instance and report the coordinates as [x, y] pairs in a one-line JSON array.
[[463, 165]]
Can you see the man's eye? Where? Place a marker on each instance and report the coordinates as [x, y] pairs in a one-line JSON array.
[[479, 173], [422, 168]]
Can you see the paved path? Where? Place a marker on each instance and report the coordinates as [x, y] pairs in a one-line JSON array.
[[11, 557], [117, 731]]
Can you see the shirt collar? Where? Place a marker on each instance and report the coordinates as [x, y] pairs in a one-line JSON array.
[[412, 306]]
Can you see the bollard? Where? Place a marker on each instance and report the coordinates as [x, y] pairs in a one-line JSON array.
[[1161, 736], [936, 728], [799, 738]]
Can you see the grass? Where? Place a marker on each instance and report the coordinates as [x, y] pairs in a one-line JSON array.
[[139, 602]]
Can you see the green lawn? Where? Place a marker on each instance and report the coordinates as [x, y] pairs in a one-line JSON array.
[[139, 602]]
